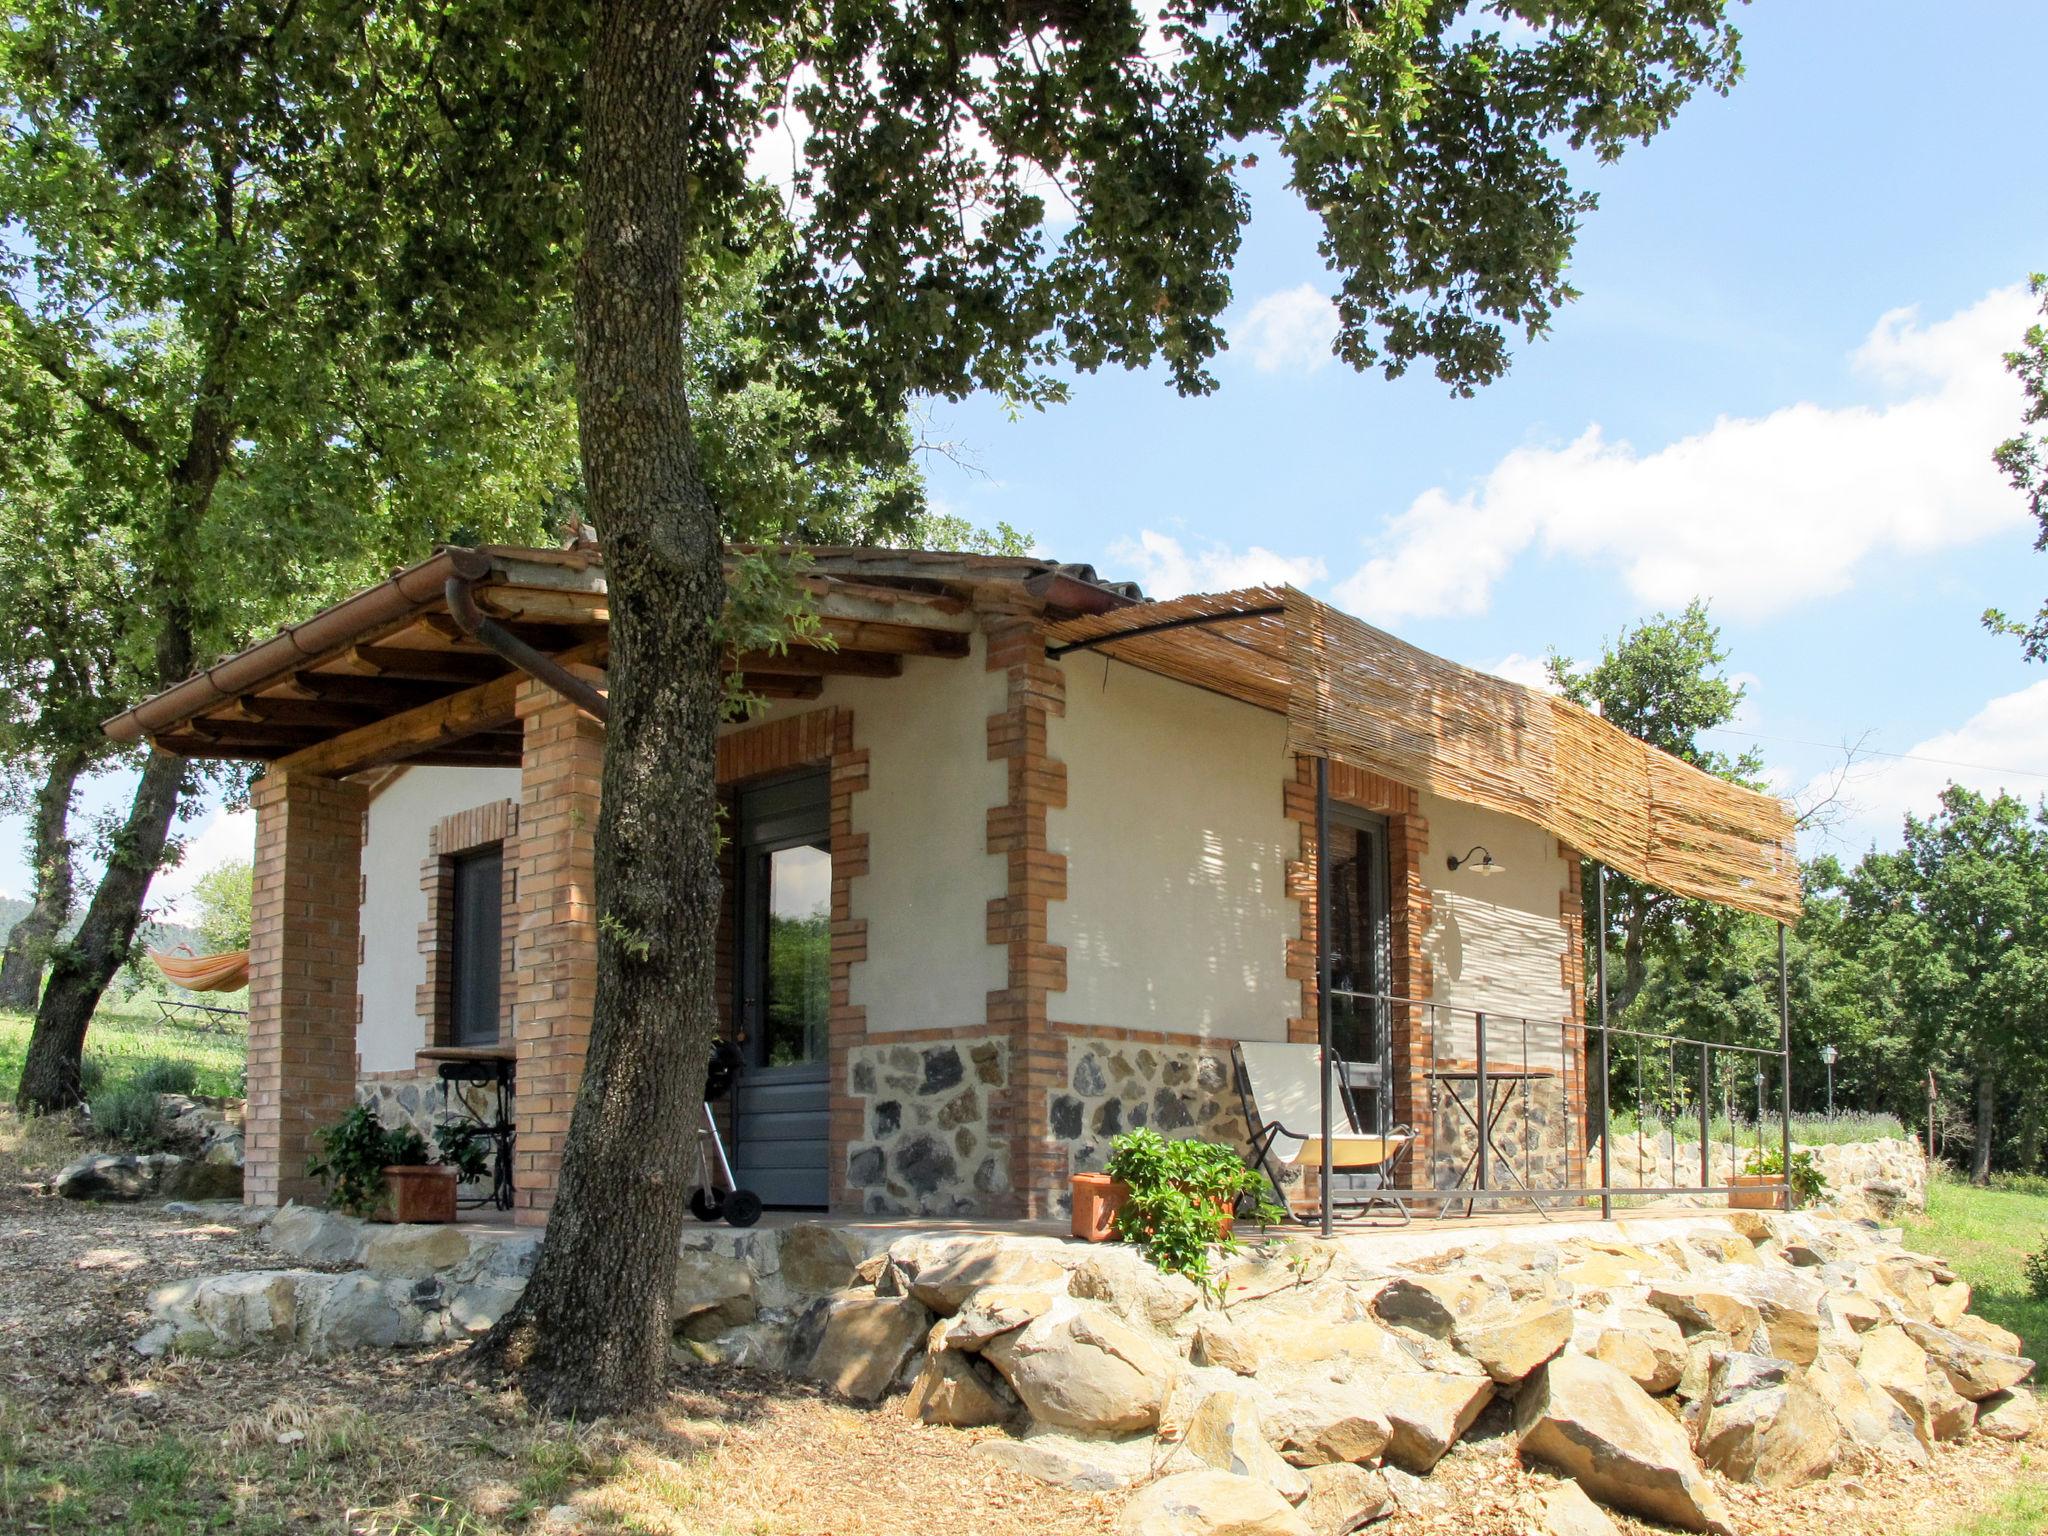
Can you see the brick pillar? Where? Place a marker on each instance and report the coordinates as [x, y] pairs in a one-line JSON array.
[[303, 930], [1017, 920], [554, 949]]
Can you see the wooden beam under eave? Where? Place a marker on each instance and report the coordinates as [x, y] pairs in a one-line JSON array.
[[443, 666], [811, 661], [766, 685], [896, 639], [487, 707]]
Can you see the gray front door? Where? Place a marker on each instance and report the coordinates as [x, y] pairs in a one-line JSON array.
[[782, 1105]]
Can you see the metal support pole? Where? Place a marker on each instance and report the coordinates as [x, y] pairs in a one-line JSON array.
[[1323, 999], [1606, 1090], [1480, 1092], [1706, 1118], [1784, 1067]]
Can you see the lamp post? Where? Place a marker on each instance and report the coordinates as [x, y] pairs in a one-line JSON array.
[[1827, 1056]]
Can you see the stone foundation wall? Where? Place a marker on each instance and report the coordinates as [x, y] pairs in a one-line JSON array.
[[1113, 1086], [925, 1147], [1531, 1135], [416, 1101]]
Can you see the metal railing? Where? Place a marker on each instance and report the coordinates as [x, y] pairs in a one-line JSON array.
[[1516, 1107]]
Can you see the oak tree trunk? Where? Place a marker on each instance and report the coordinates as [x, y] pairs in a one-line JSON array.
[[28, 944], [590, 1334], [80, 970], [1987, 1102]]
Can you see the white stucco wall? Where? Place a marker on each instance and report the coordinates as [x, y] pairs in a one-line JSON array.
[[925, 812], [1497, 941], [1177, 916], [401, 817]]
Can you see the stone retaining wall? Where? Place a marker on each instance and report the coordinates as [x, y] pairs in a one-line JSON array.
[[1653, 1361], [1876, 1179]]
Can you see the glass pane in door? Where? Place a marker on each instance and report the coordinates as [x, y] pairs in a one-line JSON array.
[[798, 983], [1354, 944]]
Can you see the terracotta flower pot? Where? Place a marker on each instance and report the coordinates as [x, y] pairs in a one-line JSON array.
[[1097, 1199], [1758, 1192], [420, 1192]]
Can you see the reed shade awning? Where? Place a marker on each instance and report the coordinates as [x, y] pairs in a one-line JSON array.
[[1356, 695]]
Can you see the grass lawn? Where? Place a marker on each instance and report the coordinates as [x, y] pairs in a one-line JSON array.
[[1987, 1234], [2022, 1512], [124, 1036]]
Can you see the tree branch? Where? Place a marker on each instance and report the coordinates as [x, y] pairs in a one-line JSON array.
[[127, 426]]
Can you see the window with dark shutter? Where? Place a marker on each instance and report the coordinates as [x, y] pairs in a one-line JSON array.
[[476, 939]]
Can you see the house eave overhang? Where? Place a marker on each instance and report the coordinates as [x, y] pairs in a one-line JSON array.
[[405, 666], [1358, 695]]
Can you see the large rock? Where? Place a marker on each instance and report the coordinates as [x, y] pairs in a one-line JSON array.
[[1508, 1324], [122, 1176], [992, 1312], [1326, 1417], [315, 1236], [1789, 1306], [1870, 1418], [415, 1251], [1343, 1499], [103, 1176], [1210, 1503], [1226, 1433], [1064, 1461], [710, 1294], [1589, 1421], [1779, 1435], [2010, 1415], [1089, 1371], [1894, 1362], [1219, 1343], [858, 1345], [1644, 1344], [1563, 1509], [945, 1283], [956, 1390], [815, 1258], [1707, 1306], [1427, 1411], [1133, 1288], [1979, 1358], [227, 1312], [354, 1311]]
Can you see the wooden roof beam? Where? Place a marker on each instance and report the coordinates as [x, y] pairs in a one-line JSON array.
[[810, 661], [427, 727]]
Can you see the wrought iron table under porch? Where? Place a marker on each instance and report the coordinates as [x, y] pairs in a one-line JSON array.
[[1494, 1085], [493, 1064]]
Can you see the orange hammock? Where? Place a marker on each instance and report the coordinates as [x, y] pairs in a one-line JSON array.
[[227, 972]]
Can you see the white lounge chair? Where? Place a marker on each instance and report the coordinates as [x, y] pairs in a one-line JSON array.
[[1283, 1111]]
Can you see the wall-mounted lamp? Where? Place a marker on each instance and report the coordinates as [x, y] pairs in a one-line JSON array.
[[1485, 866]]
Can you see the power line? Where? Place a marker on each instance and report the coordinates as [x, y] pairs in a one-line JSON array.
[[1904, 757]]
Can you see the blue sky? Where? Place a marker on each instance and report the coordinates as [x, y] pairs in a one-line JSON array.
[[1786, 357]]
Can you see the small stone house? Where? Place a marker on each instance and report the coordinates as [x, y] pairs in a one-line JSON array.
[[1011, 865]]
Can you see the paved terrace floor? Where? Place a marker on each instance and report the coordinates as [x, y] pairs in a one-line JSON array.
[[1380, 1240]]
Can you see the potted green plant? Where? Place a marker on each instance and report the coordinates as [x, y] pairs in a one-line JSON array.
[[1181, 1198], [1761, 1186], [381, 1174]]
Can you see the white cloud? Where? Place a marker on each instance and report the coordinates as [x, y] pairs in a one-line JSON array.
[[1529, 671], [228, 835], [1164, 567], [2002, 746], [1289, 331], [1758, 514]]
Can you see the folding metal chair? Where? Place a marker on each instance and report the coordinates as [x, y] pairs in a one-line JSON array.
[[1276, 1084]]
